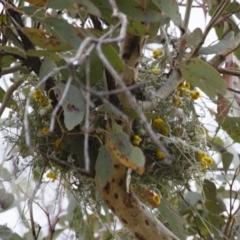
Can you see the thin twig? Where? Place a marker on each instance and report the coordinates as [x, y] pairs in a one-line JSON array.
[[8, 95]]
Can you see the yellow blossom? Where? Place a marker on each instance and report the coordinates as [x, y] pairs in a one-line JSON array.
[[176, 100], [136, 140], [157, 53], [58, 143], [164, 131], [201, 155], [181, 85], [52, 175], [187, 85], [133, 187], [37, 95], [44, 131], [156, 70], [207, 160], [160, 154], [204, 166], [154, 200], [157, 123], [195, 95]]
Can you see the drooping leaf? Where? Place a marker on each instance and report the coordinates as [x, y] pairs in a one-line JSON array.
[[223, 44], [43, 53], [114, 59], [170, 8], [116, 128], [40, 3], [136, 27], [122, 143], [137, 158], [209, 189], [215, 205], [85, 5], [46, 68], [64, 32], [232, 126], [96, 72], [6, 201], [194, 38], [103, 165], [133, 114], [227, 158], [172, 218], [134, 9], [14, 50], [44, 40], [121, 148], [73, 105], [10, 101], [35, 12], [5, 232], [200, 74]]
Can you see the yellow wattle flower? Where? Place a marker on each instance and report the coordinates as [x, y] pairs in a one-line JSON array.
[[156, 70], [157, 53], [136, 140], [160, 154], [157, 123], [58, 143], [52, 175]]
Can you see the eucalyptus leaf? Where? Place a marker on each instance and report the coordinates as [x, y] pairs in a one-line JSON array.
[[223, 44], [194, 38], [122, 143], [227, 158], [170, 8], [232, 126], [200, 74], [73, 105], [64, 31], [103, 165]]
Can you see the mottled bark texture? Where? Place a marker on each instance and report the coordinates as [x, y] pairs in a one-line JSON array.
[[126, 206]]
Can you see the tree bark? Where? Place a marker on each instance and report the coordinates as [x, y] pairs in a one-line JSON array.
[[125, 205]]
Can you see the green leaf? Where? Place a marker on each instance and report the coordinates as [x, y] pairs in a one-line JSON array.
[[109, 111], [137, 28], [232, 126], [193, 197], [87, 5], [73, 105], [215, 205], [116, 128], [227, 158], [43, 53], [137, 157], [134, 9], [170, 8], [96, 69], [103, 165], [133, 114], [64, 31], [223, 44], [113, 58], [6, 201], [35, 12], [172, 219], [10, 101], [194, 38], [43, 40], [14, 50], [200, 74], [122, 143], [209, 189], [5, 232], [46, 68]]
